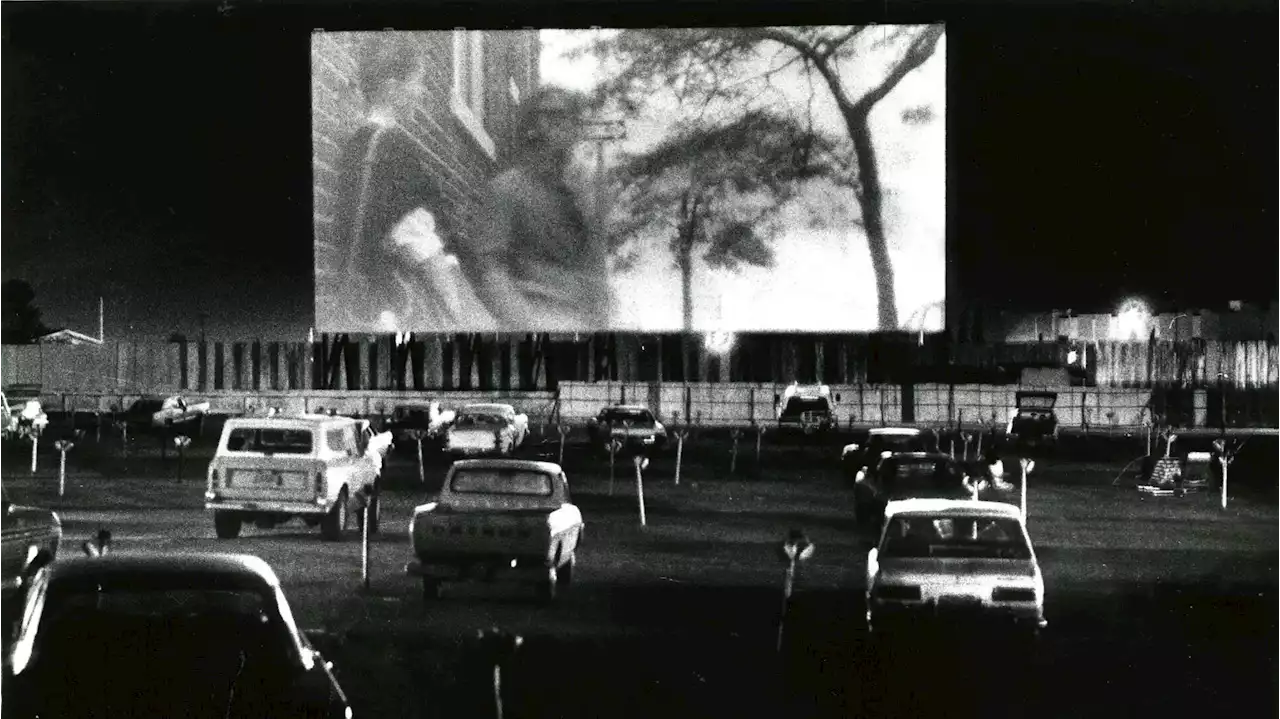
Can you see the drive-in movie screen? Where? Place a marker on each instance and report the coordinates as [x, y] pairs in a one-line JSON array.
[[775, 179]]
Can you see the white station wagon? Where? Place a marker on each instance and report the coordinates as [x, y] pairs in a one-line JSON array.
[[268, 470], [958, 561]]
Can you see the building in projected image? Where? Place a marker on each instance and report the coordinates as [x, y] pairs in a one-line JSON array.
[[451, 98]]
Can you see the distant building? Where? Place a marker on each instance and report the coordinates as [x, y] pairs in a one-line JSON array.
[[1248, 323], [68, 337]]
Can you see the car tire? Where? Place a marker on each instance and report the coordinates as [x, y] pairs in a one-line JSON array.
[[227, 524], [432, 589], [564, 575], [336, 521]]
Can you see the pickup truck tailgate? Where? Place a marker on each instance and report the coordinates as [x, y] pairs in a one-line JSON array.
[[482, 532]]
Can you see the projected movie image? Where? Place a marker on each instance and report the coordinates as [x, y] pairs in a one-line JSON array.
[[712, 180]]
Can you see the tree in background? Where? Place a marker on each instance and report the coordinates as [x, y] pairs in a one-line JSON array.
[[715, 66], [22, 324], [714, 190]]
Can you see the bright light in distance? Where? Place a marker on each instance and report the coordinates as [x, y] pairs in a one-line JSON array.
[[719, 342], [1132, 320]]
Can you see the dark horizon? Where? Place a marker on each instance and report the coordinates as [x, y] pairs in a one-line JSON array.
[[166, 164]]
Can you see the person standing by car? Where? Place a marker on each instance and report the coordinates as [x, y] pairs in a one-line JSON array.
[[538, 262]]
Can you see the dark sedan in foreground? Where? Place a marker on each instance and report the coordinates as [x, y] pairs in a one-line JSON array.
[[164, 635]]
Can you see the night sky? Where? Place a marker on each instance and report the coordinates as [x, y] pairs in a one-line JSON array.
[[161, 156]]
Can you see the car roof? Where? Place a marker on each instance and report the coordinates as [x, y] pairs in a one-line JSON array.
[[894, 431], [926, 456], [959, 507], [246, 567], [296, 421], [627, 407], [488, 405], [496, 463]]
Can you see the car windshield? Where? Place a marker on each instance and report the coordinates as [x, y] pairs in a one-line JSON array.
[[161, 631], [942, 536], [635, 416], [269, 441], [920, 477], [150, 406], [797, 406], [502, 481], [412, 414]]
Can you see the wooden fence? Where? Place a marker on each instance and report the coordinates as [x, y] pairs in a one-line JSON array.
[[541, 363]]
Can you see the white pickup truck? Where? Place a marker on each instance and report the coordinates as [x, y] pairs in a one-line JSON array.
[[496, 516], [268, 470]]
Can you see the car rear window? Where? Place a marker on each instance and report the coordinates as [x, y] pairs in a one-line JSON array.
[[625, 415], [944, 536], [797, 406], [908, 476], [479, 419], [502, 481], [269, 441]]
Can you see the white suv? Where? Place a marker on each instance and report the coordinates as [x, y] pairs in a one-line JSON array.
[[269, 470]]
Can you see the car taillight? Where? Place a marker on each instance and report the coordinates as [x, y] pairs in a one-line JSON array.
[[319, 483], [897, 592], [1013, 594], [213, 479]]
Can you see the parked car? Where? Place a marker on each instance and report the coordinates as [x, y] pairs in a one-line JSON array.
[[634, 425], [908, 476], [809, 409], [269, 470], [485, 429], [149, 413], [31, 538], [407, 419], [498, 516], [23, 412], [954, 561], [190, 635], [882, 442], [1034, 422]]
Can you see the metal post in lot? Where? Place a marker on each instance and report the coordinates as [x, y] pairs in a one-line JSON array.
[[614, 446], [641, 463], [364, 546], [563, 430], [35, 447], [795, 548], [680, 435], [182, 441], [497, 647], [1027, 466], [63, 446], [736, 434]]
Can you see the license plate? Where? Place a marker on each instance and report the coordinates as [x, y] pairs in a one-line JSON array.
[[268, 479]]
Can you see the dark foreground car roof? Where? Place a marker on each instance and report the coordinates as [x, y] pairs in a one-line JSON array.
[[525, 464], [242, 570]]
